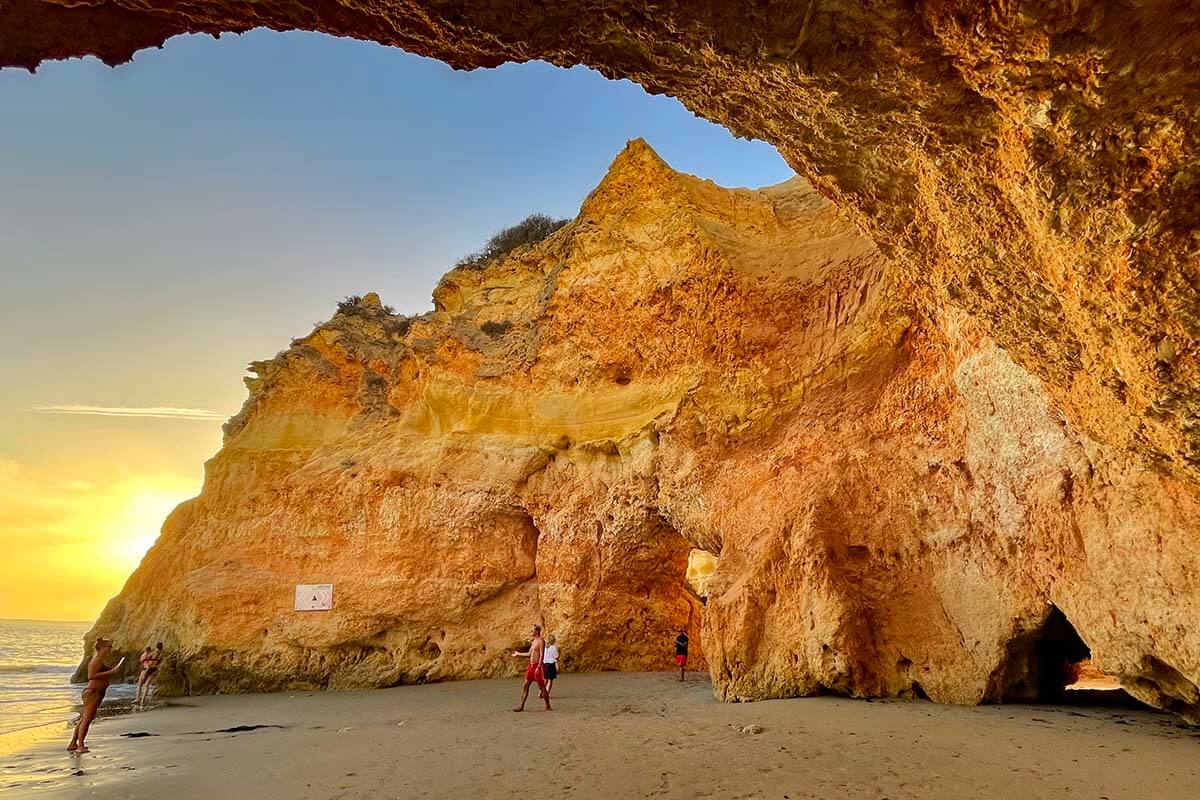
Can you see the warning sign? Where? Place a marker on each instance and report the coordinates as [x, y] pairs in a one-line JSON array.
[[314, 596]]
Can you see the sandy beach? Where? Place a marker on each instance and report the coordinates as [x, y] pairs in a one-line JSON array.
[[613, 735]]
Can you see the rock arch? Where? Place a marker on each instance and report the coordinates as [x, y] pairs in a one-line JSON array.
[[1027, 168]]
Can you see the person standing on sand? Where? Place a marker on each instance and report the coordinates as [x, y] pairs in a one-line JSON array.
[[535, 671], [681, 654], [148, 679], [141, 684], [550, 663], [93, 693]]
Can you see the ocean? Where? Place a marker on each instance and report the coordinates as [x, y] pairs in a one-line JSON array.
[[36, 662]]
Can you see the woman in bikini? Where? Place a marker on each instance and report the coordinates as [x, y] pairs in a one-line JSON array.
[[151, 660], [97, 685]]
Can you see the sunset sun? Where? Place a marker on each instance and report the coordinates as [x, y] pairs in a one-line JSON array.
[[137, 516]]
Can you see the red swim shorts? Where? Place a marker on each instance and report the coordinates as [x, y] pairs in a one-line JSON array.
[[535, 673], [681, 660]]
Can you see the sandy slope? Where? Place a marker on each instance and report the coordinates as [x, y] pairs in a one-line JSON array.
[[614, 735]]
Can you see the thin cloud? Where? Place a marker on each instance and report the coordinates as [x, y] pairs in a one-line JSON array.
[[164, 412]]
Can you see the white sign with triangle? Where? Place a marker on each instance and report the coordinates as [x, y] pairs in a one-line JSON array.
[[314, 596]]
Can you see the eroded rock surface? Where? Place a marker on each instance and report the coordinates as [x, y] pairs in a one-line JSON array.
[[1033, 163], [895, 504]]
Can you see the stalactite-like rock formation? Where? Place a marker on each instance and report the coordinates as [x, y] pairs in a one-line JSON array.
[[896, 504]]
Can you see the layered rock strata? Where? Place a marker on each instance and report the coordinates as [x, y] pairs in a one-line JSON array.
[[896, 506]]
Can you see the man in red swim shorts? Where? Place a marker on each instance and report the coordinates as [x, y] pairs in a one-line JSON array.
[[681, 648], [535, 671]]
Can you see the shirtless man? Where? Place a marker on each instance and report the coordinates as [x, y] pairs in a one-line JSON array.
[[681, 651], [97, 685], [535, 671]]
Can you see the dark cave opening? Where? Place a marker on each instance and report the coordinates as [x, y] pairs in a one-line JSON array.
[[1052, 664]]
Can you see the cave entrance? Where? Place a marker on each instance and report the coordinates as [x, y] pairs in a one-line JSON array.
[[700, 568], [1053, 665]]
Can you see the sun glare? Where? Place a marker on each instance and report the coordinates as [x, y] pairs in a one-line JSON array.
[[71, 541], [138, 521]]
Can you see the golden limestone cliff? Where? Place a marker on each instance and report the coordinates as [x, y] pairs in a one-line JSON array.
[[894, 505]]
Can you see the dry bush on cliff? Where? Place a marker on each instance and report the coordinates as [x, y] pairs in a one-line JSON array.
[[354, 304], [369, 306], [530, 230]]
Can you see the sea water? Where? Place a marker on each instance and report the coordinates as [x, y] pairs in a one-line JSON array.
[[36, 662]]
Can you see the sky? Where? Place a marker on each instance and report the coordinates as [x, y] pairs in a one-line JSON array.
[[164, 223]]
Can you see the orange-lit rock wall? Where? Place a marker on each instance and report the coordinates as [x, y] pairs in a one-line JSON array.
[[896, 502]]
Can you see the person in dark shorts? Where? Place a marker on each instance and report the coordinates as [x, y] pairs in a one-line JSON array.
[[681, 647], [550, 662]]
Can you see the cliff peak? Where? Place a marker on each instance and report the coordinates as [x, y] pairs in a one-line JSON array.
[[637, 155], [637, 174]]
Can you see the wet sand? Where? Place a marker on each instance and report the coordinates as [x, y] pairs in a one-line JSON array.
[[613, 735], [19, 742]]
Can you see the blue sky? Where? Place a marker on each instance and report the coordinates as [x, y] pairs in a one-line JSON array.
[[164, 223]]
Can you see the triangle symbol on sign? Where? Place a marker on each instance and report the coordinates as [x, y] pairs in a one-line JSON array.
[[314, 598]]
